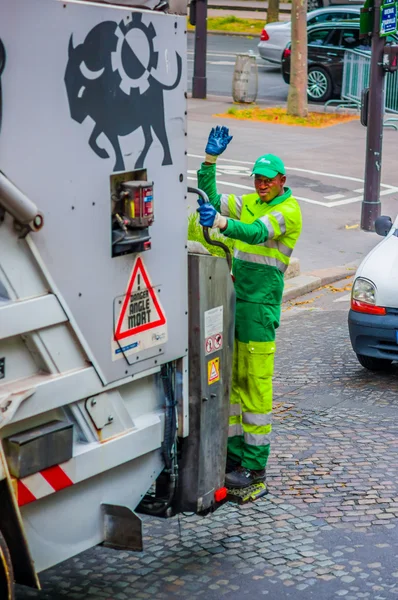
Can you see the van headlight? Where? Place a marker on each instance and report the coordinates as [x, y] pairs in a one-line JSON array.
[[364, 291]]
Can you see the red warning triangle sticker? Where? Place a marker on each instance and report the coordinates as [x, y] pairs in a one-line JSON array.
[[141, 309], [213, 372]]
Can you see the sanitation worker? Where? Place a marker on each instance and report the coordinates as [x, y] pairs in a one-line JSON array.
[[265, 226]]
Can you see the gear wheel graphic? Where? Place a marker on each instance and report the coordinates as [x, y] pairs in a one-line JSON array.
[[135, 55]]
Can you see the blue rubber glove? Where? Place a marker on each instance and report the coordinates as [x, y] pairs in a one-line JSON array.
[[209, 217], [218, 140]]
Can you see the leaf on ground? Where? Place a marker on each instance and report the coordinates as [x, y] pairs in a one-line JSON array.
[[280, 116], [352, 226], [336, 290], [309, 301]]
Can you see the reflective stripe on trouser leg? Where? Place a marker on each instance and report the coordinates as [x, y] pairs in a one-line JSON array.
[[256, 366], [235, 431]]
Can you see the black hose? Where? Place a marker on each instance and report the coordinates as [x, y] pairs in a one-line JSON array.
[[171, 420], [2, 65], [150, 504], [209, 240]]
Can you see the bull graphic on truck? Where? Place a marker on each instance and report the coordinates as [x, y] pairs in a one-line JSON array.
[[109, 78]]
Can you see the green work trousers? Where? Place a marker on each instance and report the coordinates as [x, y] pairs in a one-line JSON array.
[[251, 394]]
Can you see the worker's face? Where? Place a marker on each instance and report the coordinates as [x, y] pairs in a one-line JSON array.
[[268, 189]]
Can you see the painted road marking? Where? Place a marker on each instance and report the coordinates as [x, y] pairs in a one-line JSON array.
[[223, 63], [241, 170], [223, 54], [345, 298], [334, 197]]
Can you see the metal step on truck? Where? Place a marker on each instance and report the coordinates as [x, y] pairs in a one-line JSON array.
[[115, 342]]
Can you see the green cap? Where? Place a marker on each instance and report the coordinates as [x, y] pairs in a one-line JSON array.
[[268, 165]]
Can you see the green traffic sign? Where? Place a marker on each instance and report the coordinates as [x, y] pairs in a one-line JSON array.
[[366, 18], [365, 22]]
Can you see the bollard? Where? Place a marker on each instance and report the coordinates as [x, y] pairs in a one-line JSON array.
[[245, 79]]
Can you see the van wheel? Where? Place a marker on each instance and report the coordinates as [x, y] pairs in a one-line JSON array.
[[374, 364], [6, 573]]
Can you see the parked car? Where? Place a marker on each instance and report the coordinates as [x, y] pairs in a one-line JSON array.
[[276, 36], [326, 46], [373, 317], [313, 4]]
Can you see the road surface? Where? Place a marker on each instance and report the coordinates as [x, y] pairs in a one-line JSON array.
[[221, 55]]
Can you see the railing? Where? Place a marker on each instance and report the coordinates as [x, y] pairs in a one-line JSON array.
[[356, 77]]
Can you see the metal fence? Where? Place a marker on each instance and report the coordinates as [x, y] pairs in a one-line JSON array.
[[356, 76]]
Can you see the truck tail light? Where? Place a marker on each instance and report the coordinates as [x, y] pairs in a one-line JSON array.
[[364, 307], [220, 494], [264, 36]]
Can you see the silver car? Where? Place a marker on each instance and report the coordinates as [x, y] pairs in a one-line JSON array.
[[276, 36]]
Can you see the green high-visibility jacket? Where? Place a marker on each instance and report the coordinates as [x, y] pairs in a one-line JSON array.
[[265, 235]]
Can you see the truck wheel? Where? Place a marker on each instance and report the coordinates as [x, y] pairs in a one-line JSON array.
[[374, 364], [6, 572]]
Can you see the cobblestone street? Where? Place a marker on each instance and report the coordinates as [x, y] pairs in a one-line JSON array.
[[328, 527]]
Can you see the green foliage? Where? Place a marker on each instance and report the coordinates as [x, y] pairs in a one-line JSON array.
[[195, 234], [234, 24]]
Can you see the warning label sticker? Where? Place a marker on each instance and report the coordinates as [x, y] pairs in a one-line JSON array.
[[213, 343], [214, 321], [141, 323], [213, 371], [213, 329]]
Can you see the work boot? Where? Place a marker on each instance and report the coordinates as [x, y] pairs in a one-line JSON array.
[[242, 477], [231, 465]]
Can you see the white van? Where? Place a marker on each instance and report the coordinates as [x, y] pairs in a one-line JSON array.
[[373, 318]]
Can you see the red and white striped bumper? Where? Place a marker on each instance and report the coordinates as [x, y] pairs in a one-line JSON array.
[[43, 483]]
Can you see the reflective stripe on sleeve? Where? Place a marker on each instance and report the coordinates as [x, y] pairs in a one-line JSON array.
[[268, 224], [281, 221], [235, 206], [279, 218], [224, 206]]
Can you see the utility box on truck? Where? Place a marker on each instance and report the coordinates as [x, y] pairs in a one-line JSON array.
[[95, 336]]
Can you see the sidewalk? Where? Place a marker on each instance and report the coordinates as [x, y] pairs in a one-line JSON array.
[[260, 15], [245, 9]]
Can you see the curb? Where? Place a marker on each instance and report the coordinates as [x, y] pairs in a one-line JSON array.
[[284, 11], [308, 282], [262, 103], [234, 33]]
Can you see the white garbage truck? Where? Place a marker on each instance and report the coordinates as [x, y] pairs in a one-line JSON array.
[[115, 341]]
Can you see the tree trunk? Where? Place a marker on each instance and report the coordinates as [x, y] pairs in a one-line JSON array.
[[273, 11], [297, 103]]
